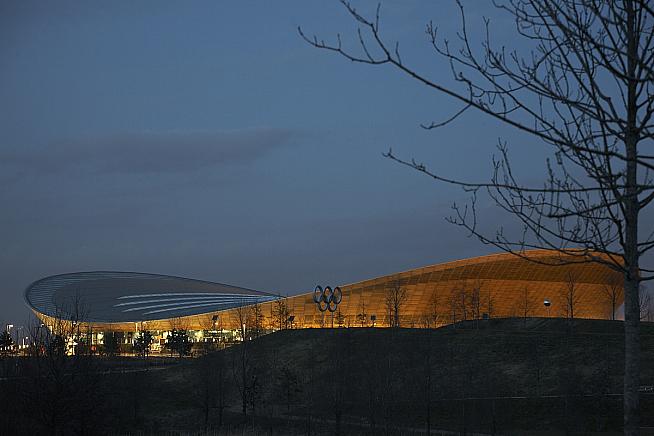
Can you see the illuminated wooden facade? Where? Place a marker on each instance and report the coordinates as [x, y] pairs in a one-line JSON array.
[[500, 285], [444, 293]]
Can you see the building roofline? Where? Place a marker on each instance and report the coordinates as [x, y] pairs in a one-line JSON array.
[[526, 254], [35, 282]]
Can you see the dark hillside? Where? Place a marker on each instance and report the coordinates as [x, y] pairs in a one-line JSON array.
[[506, 376], [502, 376]]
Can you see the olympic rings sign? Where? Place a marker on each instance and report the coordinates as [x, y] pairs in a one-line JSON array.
[[328, 298]]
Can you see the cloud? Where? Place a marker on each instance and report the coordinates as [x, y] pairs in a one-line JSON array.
[[150, 152]]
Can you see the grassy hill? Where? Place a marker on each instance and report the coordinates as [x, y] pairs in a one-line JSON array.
[[500, 376], [505, 376]]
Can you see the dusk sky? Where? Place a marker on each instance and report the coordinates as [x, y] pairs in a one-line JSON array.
[[208, 140]]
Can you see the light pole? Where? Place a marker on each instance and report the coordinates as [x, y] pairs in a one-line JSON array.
[[547, 304]]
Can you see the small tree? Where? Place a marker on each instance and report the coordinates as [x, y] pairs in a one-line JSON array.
[[526, 304], [178, 342], [454, 305], [340, 319], [242, 362], [462, 300], [490, 303], [257, 319], [475, 302], [612, 292], [434, 314], [645, 303], [55, 345], [396, 297], [570, 297], [362, 316], [110, 340], [281, 313], [143, 342]]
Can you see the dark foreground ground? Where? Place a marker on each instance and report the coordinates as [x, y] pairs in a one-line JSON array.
[[509, 377]]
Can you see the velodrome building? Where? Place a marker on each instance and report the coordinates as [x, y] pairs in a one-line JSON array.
[[542, 284]]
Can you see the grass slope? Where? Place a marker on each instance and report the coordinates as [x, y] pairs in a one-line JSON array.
[[504, 376]]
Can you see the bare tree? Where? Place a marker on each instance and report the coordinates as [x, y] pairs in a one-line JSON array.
[[584, 87], [613, 294], [476, 302], [61, 380], [257, 320], [281, 313], [435, 310], [142, 343], [454, 305], [526, 304], [243, 369], [645, 303], [395, 299], [362, 316], [462, 300], [432, 315], [570, 298], [178, 339], [490, 303], [340, 319]]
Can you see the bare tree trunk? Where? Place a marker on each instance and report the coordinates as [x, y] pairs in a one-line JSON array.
[[244, 381], [632, 356], [632, 306]]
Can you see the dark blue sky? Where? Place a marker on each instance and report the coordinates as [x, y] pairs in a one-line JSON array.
[[206, 139]]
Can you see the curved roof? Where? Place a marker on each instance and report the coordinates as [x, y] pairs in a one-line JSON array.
[[531, 265], [112, 296], [506, 285]]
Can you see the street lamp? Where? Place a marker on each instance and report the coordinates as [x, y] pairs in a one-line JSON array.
[[547, 304]]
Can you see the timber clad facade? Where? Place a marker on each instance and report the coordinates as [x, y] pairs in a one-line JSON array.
[[494, 286]]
